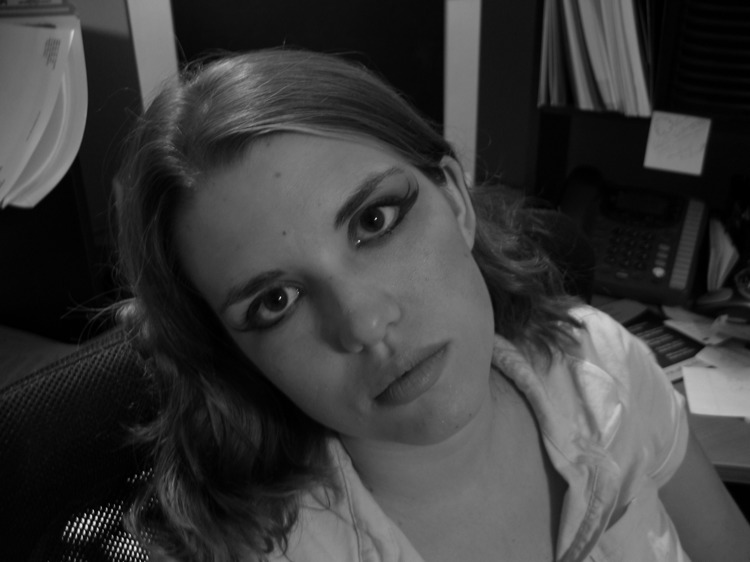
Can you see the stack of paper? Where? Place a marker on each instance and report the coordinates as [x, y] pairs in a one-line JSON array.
[[606, 48], [717, 383], [45, 98]]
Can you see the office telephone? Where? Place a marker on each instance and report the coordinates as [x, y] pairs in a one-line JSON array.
[[646, 242]]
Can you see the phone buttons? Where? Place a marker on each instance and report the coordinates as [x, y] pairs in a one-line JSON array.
[[658, 272]]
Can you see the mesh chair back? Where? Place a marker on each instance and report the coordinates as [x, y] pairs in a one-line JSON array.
[[67, 469]]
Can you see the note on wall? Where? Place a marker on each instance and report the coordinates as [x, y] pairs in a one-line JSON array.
[[677, 143]]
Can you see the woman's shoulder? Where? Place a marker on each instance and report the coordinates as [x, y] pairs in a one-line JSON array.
[[612, 366], [602, 340], [596, 321], [611, 369]]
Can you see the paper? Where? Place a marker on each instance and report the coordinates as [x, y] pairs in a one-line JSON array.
[[701, 331], [723, 328], [714, 392], [727, 358], [701, 328], [724, 388], [677, 143], [674, 372], [682, 314]]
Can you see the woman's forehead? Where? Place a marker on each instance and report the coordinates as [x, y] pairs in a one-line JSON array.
[[301, 164], [296, 180]]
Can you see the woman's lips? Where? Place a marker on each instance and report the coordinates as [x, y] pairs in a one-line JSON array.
[[417, 380]]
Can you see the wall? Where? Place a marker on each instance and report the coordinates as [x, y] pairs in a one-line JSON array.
[[402, 40], [508, 116], [462, 43], [113, 94], [129, 47]]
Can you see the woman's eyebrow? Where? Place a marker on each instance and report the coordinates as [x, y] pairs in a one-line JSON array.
[[249, 288], [362, 192]]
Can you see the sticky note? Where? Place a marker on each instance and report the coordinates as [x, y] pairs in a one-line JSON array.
[[677, 143]]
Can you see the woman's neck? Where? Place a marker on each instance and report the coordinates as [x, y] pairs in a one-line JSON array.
[[417, 475]]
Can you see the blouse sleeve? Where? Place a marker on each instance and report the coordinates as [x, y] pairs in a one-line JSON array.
[[654, 435]]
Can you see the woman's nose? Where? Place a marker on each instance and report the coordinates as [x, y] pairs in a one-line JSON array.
[[364, 318]]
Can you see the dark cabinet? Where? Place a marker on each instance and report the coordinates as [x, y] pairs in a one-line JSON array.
[[403, 41], [535, 148]]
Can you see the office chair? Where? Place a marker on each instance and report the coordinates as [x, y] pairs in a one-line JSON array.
[[67, 469]]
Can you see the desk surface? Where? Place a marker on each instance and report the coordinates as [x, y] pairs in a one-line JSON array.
[[726, 442]]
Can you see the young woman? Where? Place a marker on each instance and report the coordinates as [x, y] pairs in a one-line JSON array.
[[356, 363]]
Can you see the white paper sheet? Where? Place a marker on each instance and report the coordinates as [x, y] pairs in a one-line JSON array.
[[677, 143], [721, 390]]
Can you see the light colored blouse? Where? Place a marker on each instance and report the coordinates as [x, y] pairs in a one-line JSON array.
[[613, 427]]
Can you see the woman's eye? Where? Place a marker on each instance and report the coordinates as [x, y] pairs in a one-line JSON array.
[[377, 219], [381, 218], [271, 307]]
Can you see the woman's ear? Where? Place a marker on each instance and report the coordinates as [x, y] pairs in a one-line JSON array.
[[457, 191]]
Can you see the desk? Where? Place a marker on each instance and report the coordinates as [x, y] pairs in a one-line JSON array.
[[726, 442]]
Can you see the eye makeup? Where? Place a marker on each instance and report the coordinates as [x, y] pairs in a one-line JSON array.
[[271, 306], [381, 216]]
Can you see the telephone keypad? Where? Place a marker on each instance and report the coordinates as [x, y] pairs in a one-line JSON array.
[[629, 249]]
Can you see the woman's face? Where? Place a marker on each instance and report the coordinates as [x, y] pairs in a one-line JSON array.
[[346, 276]]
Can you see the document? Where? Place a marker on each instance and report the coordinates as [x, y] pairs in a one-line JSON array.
[[677, 143], [723, 389]]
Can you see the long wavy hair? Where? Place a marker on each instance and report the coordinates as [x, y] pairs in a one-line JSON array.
[[231, 453]]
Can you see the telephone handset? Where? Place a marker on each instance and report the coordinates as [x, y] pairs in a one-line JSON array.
[[646, 242]]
